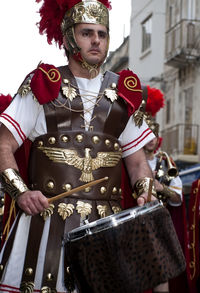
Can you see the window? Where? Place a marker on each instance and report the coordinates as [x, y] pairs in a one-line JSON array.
[[146, 33], [191, 9], [188, 105], [170, 15], [167, 111]]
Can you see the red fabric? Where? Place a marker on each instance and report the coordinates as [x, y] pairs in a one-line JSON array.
[[52, 13], [194, 236], [159, 144], [155, 100], [179, 218], [45, 83], [4, 102], [129, 89]]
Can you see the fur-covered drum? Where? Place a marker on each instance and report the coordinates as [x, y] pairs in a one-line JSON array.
[[131, 251]]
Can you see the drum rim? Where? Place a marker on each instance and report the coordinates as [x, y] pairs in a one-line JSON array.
[[116, 219]]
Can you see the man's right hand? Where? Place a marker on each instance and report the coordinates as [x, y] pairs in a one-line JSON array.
[[32, 202]]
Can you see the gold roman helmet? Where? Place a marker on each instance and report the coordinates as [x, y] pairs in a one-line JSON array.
[[86, 11]]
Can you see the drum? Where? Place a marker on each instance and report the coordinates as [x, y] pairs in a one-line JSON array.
[[131, 251]]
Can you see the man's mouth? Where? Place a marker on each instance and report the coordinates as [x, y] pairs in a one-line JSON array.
[[93, 50]]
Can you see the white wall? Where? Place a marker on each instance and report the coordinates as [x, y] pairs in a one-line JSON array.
[[150, 64]]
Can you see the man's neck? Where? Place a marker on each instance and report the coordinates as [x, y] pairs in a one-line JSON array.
[[149, 155], [78, 71]]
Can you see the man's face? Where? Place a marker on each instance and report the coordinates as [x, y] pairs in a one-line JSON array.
[[93, 41], [152, 145]]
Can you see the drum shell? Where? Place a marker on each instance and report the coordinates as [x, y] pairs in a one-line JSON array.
[[132, 257]]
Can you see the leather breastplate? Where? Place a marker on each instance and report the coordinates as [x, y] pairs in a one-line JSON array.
[[68, 156]]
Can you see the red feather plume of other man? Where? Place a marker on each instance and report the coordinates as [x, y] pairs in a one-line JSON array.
[[155, 100]]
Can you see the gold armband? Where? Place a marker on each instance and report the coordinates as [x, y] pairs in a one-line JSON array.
[[166, 193], [143, 185], [12, 183]]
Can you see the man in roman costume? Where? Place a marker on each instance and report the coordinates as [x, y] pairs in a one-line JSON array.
[[81, 127]]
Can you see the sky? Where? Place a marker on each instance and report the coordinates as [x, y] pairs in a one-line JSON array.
[[22, 47]]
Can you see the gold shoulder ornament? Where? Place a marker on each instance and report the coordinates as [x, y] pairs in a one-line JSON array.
[[139, 115]]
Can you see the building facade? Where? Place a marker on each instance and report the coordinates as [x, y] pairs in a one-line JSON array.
[[164, 50], [182, 80]]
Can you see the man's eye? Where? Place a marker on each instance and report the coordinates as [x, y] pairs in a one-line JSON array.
[[102, 35], [85, 34]]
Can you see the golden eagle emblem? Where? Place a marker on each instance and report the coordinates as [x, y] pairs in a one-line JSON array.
[[86, 164]]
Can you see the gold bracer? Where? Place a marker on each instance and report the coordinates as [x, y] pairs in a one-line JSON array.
[[166, 193], [12, 183], [143, 185]]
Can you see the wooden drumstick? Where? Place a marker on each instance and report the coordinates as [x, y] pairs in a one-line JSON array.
[[150, 190], [76, 189]]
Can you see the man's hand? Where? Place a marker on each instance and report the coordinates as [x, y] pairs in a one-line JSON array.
[[32, 202], [142, 199], [158, 185]]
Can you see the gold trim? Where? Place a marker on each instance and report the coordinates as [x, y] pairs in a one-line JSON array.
[[12, 183], [116, 209], [175, 187], [102, 211], [24, 89], [193, 243], [111, 94], [51, 74], [27, 287], [143, 185], [65, 210], [84, 209], [47, 212], [69, 92], [130, 82]]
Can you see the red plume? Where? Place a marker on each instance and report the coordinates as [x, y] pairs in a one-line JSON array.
[[52, 13], [4, 102], [106, 3], [155, 101]]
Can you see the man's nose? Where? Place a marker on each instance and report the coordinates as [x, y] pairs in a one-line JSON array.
[[96, 39]]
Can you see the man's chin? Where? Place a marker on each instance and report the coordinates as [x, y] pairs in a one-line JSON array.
[[94, 60]]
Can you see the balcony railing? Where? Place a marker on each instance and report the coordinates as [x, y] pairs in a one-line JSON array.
[[182, 43], [181, 139]]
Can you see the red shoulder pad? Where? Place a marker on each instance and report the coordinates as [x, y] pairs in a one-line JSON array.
[[4, 102], [129, 88], [45, 83]]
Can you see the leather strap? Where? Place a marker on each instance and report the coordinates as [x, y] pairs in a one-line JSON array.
[[33, 245], [53, 250], [116, 114]]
